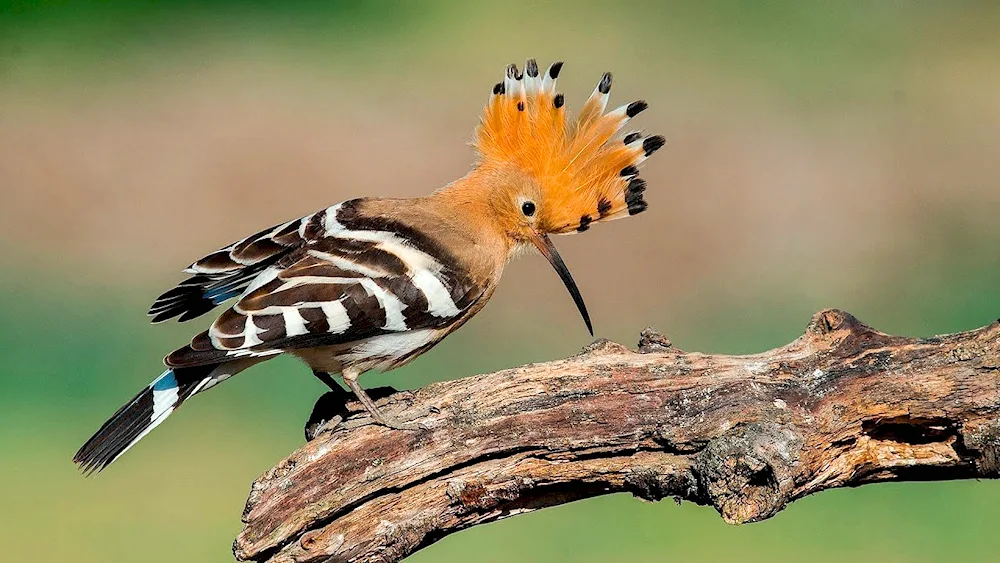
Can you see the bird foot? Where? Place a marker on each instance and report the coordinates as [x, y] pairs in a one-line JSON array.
[[331, 410], [410, 424], [315, 428]]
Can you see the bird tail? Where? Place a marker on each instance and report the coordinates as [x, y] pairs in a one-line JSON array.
[[145, 412]]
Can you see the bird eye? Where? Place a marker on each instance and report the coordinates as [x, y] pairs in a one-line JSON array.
[[528, 208]]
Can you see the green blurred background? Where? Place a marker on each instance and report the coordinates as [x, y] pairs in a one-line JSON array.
[[819, 154]]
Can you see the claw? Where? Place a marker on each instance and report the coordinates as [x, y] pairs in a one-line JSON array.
[[330, 406], [314, 430]]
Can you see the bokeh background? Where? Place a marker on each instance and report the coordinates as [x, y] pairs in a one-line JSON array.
[[819, 154]]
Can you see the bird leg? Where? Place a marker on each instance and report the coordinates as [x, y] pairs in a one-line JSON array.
[[327, 379], [351, 379], [331, 409]]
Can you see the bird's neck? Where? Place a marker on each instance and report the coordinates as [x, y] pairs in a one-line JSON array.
[[470, 200]]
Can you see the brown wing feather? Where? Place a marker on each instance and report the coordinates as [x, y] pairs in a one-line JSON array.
[[225, 273], [338, 290]]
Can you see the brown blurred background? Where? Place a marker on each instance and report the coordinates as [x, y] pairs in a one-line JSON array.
[[819, 154]]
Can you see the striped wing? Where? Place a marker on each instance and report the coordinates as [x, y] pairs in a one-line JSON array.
[[354, 280], [227, 272]]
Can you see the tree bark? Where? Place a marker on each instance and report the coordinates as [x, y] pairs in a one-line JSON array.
[[842, 405]]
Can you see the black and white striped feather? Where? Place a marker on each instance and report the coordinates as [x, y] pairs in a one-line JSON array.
[[226, 273], [329, 279], [142, 414]]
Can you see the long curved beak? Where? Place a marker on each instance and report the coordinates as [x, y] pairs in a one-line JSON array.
[[549, 252]]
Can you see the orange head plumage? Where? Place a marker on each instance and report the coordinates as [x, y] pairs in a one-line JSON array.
[[572, 172], [541, 172]]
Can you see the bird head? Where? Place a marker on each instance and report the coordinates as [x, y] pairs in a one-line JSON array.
[[546, 173]]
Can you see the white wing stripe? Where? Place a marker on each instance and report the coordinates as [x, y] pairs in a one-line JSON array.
[[305, 223], [296, 281], [391, 304], [261, 279], [336, 316], [347, 265], [244, 353], [439, 301], [414, 258], [250, 332], [295, 325], [330, 223]]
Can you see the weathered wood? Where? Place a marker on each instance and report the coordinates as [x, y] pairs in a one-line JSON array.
[[842, 405]]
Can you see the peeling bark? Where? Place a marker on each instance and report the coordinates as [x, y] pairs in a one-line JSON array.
[[842, 405]]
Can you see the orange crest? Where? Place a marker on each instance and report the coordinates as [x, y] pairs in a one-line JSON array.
[[585, 175]]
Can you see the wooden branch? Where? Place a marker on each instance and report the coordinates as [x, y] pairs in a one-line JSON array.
[[842, 405]]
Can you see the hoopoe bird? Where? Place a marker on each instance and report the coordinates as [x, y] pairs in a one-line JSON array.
[[372, 283]]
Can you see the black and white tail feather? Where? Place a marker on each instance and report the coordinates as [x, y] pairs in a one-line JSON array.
[[216, 278], [143, 413]]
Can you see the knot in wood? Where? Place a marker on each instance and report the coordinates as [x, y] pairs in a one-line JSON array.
[[983, 438], [470, 494], [652, 341], [604, 346], [747, 473], [831, 320], [653, 483]]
